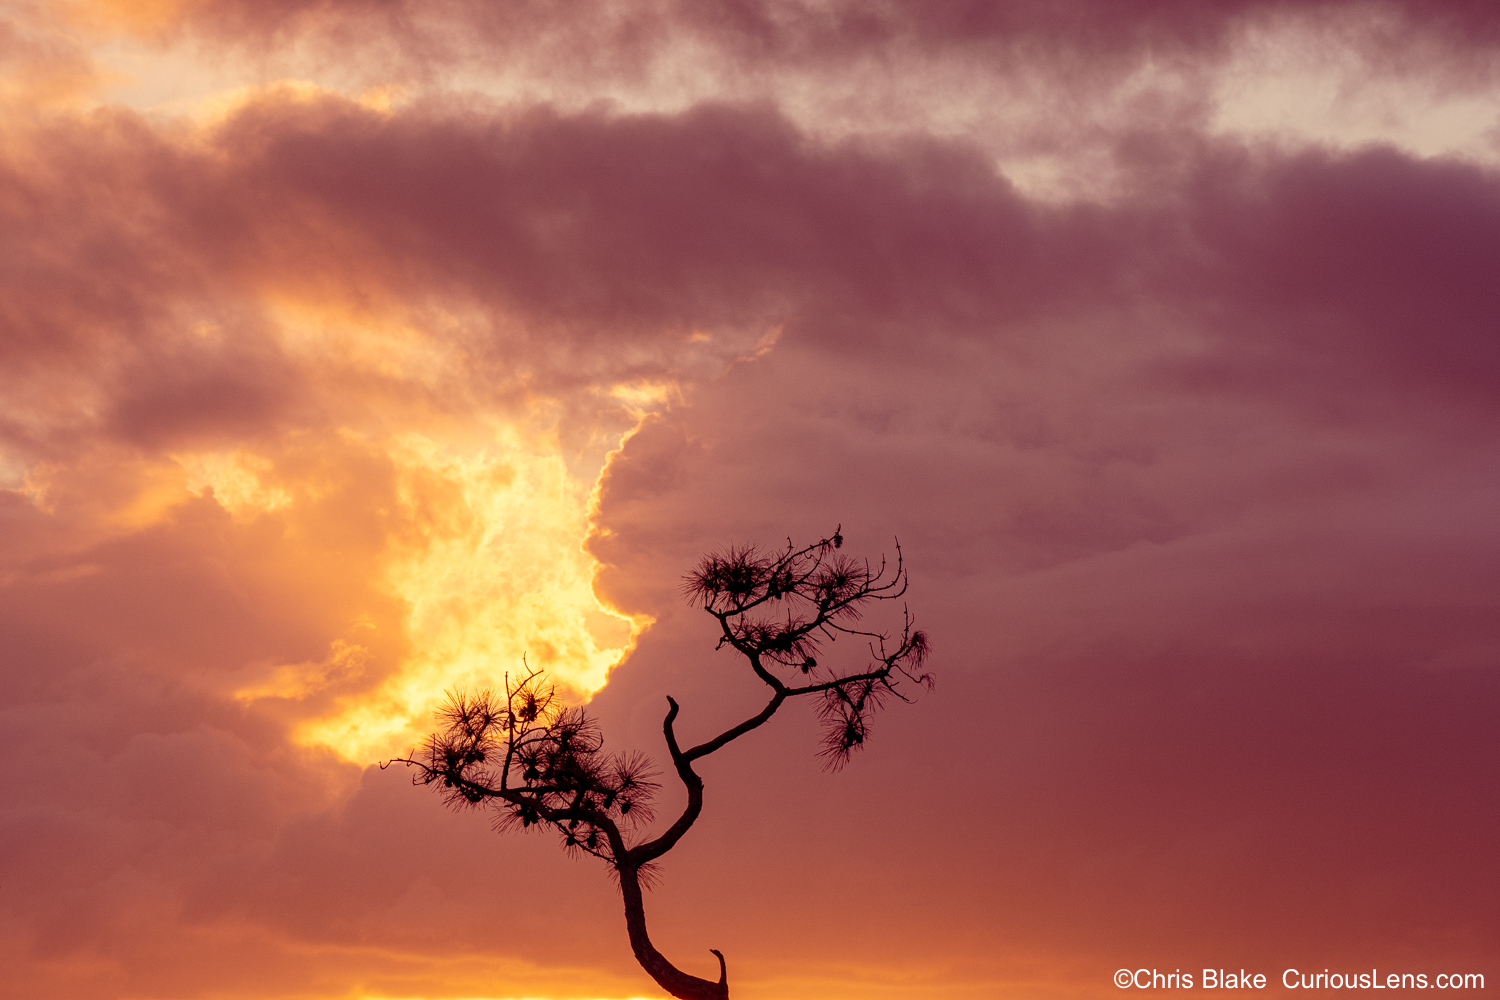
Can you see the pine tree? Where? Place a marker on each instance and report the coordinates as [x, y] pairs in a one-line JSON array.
[[534, 762]]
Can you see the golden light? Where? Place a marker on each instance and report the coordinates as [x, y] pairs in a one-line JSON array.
[[466, 514], [483, 550], [493, 574]]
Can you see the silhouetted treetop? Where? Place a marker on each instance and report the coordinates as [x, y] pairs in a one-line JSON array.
[[778, 609]]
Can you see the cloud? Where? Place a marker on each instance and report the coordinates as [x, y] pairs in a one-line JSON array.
[[314, 405], [1185, 602]]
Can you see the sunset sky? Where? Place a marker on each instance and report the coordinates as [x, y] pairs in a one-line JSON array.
[[352, 350]]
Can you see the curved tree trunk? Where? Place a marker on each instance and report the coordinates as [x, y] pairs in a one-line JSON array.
[[667, 975]]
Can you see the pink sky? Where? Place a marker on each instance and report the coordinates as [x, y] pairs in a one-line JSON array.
[[350, 350]]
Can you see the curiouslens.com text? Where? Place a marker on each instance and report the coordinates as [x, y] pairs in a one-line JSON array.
[[1295, 979]]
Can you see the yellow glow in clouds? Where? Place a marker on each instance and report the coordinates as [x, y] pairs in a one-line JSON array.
[[476, 529], [482, 548], [494, 569]]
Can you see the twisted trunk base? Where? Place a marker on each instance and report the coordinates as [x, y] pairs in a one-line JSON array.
[[667, 975]]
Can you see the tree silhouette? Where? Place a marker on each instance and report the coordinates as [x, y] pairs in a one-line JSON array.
[[535, 762]]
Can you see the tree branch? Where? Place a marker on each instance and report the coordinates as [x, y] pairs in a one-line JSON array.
[[653, 849], [704, 749]]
